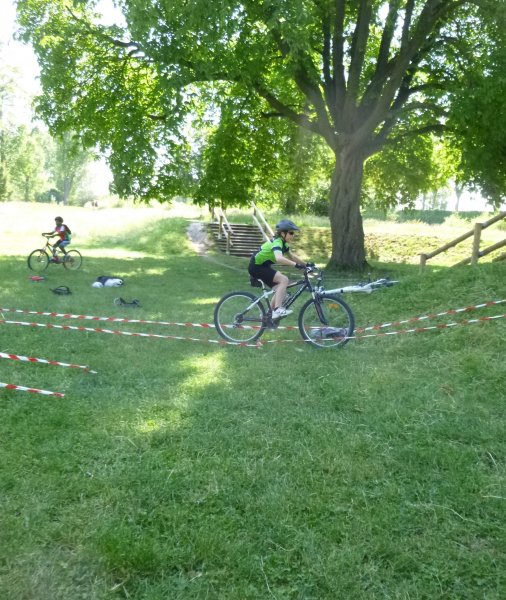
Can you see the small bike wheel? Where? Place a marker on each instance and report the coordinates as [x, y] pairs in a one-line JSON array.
[[38, 260], [326, 322], [72, 260], [237, 319]]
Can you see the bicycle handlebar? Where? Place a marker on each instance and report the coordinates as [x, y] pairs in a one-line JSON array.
[[366, 288]]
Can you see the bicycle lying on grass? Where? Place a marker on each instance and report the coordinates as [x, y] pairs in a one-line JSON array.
[[39, 259], [325, 320]]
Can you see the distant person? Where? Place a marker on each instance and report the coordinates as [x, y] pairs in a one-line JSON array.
[[276, 251], [63, 233]]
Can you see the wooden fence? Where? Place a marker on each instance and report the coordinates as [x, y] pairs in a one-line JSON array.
[[476, 252]]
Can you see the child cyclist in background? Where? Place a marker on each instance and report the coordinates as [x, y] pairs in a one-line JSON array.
[[276, 251], [63, 232]]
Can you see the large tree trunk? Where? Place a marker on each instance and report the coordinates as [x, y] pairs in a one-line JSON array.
[[348, 249]]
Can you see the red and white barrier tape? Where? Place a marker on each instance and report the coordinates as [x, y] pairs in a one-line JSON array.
[[259, 344], [403, 331], [212, 326], [429, 316], [129, 333], [22, 388], [31, 359], [432, 327], [141, 321], [109, 319]]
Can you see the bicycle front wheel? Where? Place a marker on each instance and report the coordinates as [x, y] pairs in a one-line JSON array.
[[38, 260], [326, 322], [72, 260], [238, 319]]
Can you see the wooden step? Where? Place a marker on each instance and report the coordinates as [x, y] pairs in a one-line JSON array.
[[246, 239]]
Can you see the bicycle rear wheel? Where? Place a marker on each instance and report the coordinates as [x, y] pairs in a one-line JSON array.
[[326, 322], [72, 260], [38, 260], [236, 320]]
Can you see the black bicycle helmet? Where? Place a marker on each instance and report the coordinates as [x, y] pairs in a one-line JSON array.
[[286, 225]]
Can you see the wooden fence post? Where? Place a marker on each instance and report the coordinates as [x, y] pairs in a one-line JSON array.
[[220, 225], [476, 243]]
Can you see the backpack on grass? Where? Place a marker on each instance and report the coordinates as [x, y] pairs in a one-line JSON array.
[[108, 281]]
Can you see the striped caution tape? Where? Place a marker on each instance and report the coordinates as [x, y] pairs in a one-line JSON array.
[[139, 321], [128, 333], [404, 331], [22, 388], [259, 344], [108, 319], [429, 316], [433, 327], [212, 326], [32, 359]]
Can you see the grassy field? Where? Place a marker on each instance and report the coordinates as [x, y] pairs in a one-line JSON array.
[[185, 470]]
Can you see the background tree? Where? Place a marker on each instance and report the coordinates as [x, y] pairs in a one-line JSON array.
[[360, 74], [26, 163], [7, 87], [67, 164], [477, 119], [243, 155]]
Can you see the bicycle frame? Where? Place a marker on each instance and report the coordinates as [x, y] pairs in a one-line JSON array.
[[318, 291], [305, 285], [50, 246]]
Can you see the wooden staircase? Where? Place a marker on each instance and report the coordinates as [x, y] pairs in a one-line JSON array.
[[244, 239]]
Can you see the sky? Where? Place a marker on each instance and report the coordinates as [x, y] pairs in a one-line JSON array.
[[18, 56], [21, 56]]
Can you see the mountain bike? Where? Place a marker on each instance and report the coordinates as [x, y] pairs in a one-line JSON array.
[[39, 259], [325, 320]]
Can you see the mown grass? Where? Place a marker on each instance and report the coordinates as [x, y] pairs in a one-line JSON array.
[[187, 470]]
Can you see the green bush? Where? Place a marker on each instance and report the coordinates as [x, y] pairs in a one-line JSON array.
[[49, 196]]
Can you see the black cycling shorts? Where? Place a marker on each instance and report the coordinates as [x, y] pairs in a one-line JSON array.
[[263, 272]]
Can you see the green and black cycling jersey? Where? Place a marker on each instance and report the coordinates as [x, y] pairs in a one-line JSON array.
[[265, 256]]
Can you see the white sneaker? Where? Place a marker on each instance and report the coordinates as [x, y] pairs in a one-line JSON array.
[[280, 312]]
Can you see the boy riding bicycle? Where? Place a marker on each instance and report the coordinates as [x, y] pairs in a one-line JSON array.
[[63, 232], [276, 251]]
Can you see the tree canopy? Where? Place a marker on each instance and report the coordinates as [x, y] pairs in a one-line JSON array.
[[203, 97]]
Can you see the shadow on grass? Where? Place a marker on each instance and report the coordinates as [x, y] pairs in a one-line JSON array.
[[190, 471]]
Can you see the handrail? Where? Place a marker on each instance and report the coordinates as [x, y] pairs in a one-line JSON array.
[[223, 226], [261, 223], [476, 253], [482, 253]]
